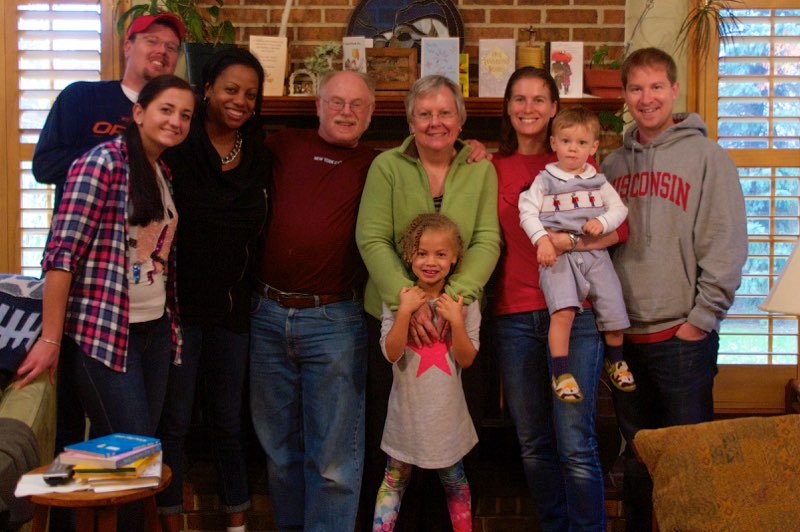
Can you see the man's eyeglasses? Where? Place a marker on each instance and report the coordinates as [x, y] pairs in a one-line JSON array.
[[427, 116], [337, 104], [155, 42]]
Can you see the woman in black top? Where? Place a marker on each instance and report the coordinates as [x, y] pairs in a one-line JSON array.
[[220, 178]]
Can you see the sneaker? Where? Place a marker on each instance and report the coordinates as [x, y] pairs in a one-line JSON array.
[[566, 388], [620, 376]]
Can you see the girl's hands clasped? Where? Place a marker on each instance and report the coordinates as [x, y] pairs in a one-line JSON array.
[[450, 309], [411, 299]]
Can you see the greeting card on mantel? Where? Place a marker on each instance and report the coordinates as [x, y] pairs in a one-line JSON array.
[[271, 52], [566, 66], [440, 56], [496, 59], [354, 56]]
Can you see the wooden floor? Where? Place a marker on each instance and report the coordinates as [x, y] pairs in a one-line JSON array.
[[494, 470]]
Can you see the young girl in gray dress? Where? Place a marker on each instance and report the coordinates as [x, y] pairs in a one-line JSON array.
[[428, 424]]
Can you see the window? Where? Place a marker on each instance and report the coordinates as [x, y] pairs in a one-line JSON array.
[[57, 42], [750, 99]]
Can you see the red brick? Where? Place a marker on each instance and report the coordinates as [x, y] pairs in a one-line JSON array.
[[318, 3], [600, 3], [473, 15], [552, 34], [599, 34], [517, 16], [238, 15], [300, 51], [474, 33], [259, 30], [571, 16], [614, 16], [298, 16], [251, 3], [338, 15], [320, 33], [485, 2]]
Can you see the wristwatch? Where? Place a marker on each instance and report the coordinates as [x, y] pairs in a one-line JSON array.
[[573, 240]]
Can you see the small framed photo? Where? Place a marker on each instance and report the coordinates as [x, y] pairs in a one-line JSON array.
[[393, 69]]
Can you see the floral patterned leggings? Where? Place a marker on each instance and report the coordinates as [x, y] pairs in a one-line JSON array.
[[395, 480]]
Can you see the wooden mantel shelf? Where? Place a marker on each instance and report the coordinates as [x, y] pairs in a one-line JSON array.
[[392, 105]]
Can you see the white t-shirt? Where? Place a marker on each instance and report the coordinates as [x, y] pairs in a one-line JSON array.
[[147, 284]]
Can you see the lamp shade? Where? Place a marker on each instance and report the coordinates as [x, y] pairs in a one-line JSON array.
[[785, 295]]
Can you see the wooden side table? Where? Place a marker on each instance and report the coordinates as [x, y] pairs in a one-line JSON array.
[[98, 511]]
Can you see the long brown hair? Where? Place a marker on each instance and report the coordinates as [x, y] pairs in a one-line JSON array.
[[508, 143], [143, 189]]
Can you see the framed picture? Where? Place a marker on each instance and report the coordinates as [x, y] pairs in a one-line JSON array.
[[393, 69]]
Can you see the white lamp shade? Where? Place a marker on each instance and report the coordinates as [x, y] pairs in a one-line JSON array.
[[785, 295]]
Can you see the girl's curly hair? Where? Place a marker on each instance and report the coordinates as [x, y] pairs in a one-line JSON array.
[[409, 242]]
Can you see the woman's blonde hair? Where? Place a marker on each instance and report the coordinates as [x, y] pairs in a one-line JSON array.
[[409, 242]]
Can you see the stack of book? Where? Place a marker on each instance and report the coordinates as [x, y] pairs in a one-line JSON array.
[[115, 462]]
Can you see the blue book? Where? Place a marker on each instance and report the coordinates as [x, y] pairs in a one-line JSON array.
[[113, 444]]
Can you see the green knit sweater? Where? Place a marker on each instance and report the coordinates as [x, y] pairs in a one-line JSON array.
[[396, 192]]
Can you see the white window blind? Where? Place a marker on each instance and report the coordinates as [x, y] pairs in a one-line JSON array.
[[58, 43]]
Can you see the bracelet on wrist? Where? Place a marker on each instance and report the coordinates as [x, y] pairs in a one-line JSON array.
[[49, 341]]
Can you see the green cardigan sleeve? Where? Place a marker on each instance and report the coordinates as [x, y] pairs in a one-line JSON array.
[[375, 236], [397, 191], [482, 239]]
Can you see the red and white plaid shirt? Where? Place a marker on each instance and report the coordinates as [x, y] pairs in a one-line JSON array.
[[89, 237]]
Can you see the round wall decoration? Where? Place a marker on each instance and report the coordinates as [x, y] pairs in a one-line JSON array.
[[402, 23]]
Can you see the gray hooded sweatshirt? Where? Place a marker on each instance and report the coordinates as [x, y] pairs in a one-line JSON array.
[[688, 235]]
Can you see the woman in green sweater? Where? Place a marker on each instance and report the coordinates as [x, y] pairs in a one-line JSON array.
[[428, 172]]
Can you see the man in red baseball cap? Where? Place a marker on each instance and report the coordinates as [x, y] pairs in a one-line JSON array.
[[152, 48], [143, 22], [87, 113]]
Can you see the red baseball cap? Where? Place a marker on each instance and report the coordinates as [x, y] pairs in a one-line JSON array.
[[143, 22]]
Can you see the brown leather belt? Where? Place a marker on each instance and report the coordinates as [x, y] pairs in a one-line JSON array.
[[297, 300]]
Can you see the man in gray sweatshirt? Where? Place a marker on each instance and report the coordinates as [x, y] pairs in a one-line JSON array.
[[681, 264]]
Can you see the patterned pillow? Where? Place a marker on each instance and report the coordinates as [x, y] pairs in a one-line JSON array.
[[20, 320], [733, 474]]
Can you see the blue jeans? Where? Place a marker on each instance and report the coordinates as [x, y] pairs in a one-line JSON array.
[[557, 439], [674, 384], [307, 378], [130, 401], [220, 356]]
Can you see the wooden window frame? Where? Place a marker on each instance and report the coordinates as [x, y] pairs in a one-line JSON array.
[[741, 388], [11, 151]]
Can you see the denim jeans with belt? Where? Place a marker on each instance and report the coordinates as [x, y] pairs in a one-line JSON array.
[[307, 378], [674, 385], [557, 439], [220, 357]]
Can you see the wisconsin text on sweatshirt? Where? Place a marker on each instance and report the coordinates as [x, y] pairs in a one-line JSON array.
[[657, 184]]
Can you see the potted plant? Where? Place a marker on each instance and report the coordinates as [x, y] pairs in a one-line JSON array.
[[603, 78], [705, 20], [205, 32]]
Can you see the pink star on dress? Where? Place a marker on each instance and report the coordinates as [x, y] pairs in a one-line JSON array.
[[432, 355]]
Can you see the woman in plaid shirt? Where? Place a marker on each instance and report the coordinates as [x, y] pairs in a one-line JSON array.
[[109, 281]]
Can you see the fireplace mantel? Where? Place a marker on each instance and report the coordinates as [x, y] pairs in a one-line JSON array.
[[388, 121]]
